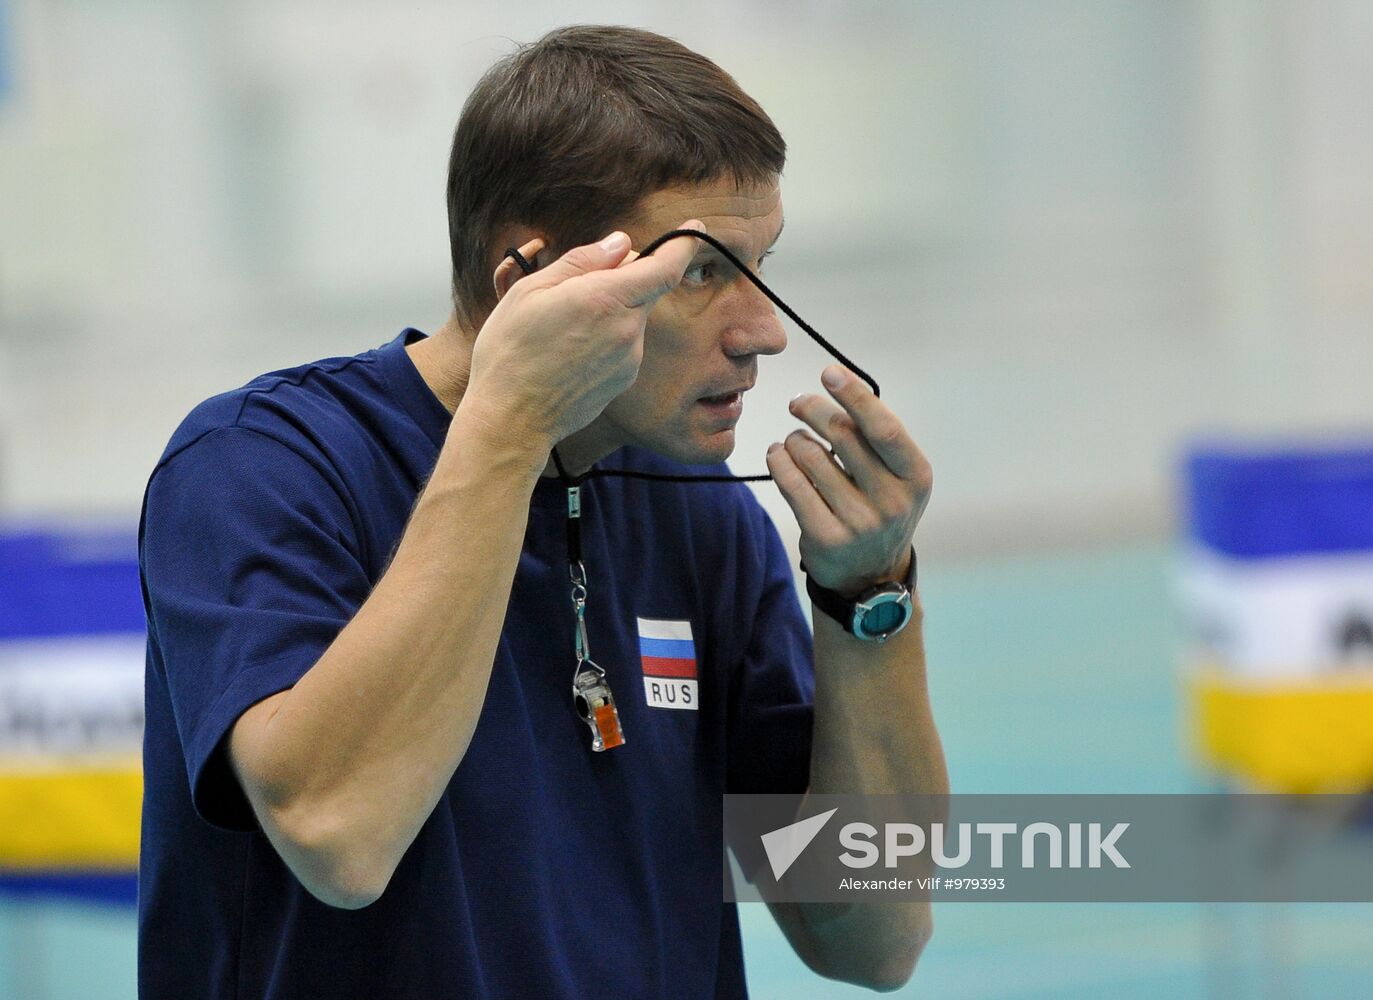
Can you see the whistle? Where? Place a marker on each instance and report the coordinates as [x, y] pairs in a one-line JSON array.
[[596, 706]]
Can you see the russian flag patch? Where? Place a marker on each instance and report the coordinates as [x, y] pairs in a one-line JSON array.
[[668, 654]]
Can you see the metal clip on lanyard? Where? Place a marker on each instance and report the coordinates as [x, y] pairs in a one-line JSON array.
[[590, 689]]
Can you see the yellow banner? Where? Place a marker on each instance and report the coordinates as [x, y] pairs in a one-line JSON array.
[[70, 818], [1299, 736]]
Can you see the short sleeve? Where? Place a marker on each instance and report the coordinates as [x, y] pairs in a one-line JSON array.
[[773, 696], [250, 570]]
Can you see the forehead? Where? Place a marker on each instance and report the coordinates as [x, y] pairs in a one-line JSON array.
[[740, 214]]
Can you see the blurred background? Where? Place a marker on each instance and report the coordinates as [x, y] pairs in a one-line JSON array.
[[1076, 241]]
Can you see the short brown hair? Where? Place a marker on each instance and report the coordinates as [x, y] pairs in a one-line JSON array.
[[569, 133]]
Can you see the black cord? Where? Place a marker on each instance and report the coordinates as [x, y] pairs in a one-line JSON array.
[[772, 297], [663, 477], [519, 259]]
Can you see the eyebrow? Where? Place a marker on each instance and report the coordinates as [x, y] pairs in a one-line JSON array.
[[779, 234], [707, 250]]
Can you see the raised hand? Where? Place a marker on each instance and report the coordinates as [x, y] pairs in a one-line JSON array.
[[566, 340], [857, 505]]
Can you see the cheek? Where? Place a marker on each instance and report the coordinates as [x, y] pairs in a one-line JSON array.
[[672, 355], [653, 397], [676, 321], [659, 393]]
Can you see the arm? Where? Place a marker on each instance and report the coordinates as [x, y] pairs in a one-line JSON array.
[[344, 768], [874, 732]]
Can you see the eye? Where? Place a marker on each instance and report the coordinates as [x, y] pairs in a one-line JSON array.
[[699, 274], [766, 255]]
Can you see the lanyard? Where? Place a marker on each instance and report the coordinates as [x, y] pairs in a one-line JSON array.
[[591, 694]]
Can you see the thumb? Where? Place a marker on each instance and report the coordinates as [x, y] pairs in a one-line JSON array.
[[643, 280], [584, 259]]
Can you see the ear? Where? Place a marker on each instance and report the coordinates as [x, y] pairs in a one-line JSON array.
[[508, 271]]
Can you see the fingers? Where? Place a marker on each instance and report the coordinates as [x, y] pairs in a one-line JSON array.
[[857, 518], [824, 499], [879, 426], [617, 271], [813, 515], [834, 486], [644, 280], [866, 493], [841, 431], [608, 253]]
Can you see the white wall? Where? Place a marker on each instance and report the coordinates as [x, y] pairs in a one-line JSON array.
[[1063, 235]]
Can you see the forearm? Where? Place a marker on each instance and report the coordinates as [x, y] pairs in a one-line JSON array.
[[874, 735], [874, 730], [361, 748]]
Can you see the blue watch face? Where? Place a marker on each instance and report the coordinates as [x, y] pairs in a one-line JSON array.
[[884, 617]]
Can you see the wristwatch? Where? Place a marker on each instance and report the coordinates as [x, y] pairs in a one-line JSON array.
[[875, 615]]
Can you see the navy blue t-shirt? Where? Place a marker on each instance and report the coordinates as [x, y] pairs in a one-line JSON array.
[[545, 870]]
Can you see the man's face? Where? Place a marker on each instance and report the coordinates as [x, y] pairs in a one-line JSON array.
[[703, 338]]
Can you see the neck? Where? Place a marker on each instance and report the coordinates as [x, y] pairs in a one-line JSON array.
[[444, 361], [582, 450]]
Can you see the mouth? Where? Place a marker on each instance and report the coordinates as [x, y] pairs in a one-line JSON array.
[[723, 399], [725, 405], [728, 395]]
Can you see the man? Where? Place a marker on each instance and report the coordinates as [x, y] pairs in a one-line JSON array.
[[365, 771]]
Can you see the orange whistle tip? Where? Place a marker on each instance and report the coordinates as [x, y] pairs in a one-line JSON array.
[[608, 723]]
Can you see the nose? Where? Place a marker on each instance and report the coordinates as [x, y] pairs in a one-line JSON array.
[[754, 326]]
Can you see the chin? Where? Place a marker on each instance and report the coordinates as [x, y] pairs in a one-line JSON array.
[[696, 449]]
